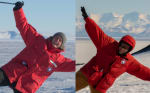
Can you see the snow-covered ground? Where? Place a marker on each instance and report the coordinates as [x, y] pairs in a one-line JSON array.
[[59, 82], [125, 83]]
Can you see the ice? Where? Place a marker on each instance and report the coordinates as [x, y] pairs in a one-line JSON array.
[[58, 82]]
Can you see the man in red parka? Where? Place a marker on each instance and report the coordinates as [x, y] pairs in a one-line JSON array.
[[111, 60], [26, 72]]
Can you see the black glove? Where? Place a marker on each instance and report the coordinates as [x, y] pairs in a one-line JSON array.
[[84, 14], [18, 5]]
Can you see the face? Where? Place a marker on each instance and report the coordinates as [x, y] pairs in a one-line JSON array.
[[123, 48], [57, 41]]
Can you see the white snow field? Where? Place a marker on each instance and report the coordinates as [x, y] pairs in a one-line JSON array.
[[58, 82], [125, 83]]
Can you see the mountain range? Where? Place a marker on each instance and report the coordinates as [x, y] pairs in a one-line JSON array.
[[9, 35], [113, 24], [117, 25]]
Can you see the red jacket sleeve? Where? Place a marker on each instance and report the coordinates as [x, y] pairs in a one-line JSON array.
[[27, 32], [66, 64], [96, 34], [139, 70]]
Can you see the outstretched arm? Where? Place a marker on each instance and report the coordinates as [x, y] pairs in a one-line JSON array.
[[139, 70], [27, 32], [96, 34], [66, 64]]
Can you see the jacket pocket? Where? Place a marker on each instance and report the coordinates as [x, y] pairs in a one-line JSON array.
[[96, 76]]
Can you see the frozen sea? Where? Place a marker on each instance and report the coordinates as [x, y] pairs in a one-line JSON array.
[[58, 82], [126, 83]]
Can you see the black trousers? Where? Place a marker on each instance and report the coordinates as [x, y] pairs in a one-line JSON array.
[[6, 82]]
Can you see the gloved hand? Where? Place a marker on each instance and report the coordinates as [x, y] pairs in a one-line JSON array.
[[84, 14], [18, 5]]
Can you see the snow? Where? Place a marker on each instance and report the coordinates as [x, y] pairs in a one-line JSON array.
[[95, 17], [65, 82], [125, 83], [4, 35], [58, 82], [8, 35]]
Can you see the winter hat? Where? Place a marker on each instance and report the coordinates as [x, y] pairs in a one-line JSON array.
[[129, 40], [64, 39]]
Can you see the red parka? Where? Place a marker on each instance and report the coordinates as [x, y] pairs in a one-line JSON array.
[[37, 61], [107, 62]]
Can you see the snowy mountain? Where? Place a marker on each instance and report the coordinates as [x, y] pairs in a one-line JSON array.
[[9, 35], [117, 25]]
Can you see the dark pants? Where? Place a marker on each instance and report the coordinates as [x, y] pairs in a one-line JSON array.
[[5, 82]]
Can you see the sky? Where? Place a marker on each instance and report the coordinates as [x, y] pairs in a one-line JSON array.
[[51, 16], [117, 6], [47, 16]]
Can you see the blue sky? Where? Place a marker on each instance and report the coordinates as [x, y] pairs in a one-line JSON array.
[[47, 16], [117, 6]]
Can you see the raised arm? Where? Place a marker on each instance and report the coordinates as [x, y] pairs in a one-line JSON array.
[[139, 70], [27, 32], [66, 64], [96, 34]]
